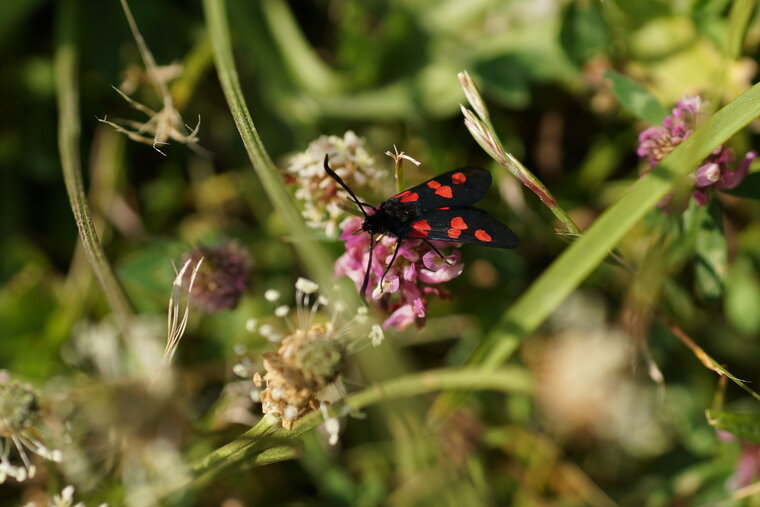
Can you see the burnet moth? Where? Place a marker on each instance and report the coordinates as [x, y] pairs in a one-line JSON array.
[[438, 209]]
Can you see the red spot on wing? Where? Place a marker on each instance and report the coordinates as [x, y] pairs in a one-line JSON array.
[[458, 178], [445, 208], [421, 225], [402, 194], [483, 235], [408, 196], [444, 191], [454, 233], [458, 223], [433, 184], [416, 233]]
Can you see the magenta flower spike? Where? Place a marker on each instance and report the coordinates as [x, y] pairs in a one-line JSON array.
[[717, 170], [417, 273]]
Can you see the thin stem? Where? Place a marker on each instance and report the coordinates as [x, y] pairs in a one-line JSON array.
[[705, 359], [248, 447], [67, 90], [194, 67], [147, 57], [315, 260]]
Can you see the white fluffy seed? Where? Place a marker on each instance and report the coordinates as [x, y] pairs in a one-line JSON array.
[[306, 286], [272, 295]]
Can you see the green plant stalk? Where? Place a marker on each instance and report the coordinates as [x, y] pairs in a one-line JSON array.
[[195, 65], [315, 260], [400, 177], [585, 254], [248, 446], [738, 20], [67, 92], [304, 65]]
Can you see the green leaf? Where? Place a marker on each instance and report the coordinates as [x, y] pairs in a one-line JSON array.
[[504, 78], [584, 31], [742, 298], [743, 426], [636, 99], [712, 253], [148, 273], [749, 188]]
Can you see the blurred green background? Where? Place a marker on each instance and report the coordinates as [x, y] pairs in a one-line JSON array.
[[598, 429]]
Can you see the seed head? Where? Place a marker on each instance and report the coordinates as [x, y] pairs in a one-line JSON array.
[[19, 429], [305, 363], [223, 277], [19, 409]]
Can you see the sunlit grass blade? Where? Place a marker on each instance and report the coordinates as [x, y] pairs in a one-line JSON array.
[[67, 89], [588, 251], [315, 260], [582, 257]]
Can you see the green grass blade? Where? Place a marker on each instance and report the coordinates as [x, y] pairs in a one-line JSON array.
[[67, 90], [315, 260], [583, 256]]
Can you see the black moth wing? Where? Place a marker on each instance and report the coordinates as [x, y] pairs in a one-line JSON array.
[[459, 187], [461, 225]]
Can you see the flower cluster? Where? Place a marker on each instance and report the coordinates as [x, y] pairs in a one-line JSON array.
[[319, 194], [717, 170], [416, 273], [19, 429], [310, 357], [223, 277]]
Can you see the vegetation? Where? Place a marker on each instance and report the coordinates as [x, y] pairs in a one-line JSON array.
[[608, 360]]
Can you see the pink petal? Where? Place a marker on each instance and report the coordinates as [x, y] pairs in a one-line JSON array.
[[701, 197], [443, 274], [401, 318], [419, 307], [410, 273], [748, 467], [707, 174], [731, 179]]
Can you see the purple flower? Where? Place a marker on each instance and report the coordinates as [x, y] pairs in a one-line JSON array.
[[748, 467], [416, 273], [223, 277], [717, 170]]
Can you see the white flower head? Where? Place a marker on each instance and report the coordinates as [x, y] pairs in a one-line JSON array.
[[376, 335], [306, 286], [19, 430], [272, 295], [320, 197]]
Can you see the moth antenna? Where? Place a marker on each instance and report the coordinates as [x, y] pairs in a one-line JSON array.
[[337, 178]]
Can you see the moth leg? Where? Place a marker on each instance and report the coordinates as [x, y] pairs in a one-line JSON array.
[[363, 292], [428, 243], [388, 267]]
